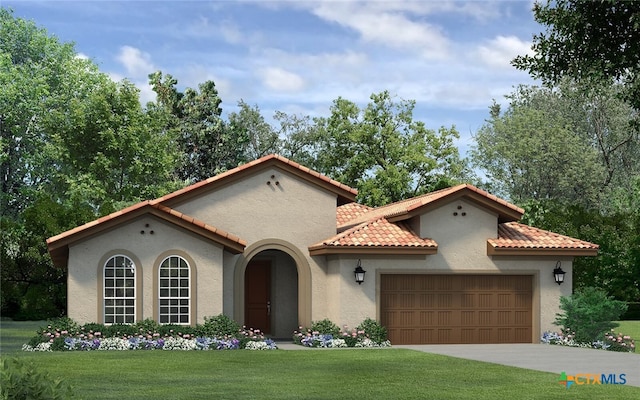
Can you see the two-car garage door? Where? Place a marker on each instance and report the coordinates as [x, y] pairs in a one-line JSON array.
[[438, 309]]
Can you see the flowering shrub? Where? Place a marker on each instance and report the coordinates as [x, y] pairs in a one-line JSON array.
[[262, 345], [610, 341], [145, 335], [375, 336]]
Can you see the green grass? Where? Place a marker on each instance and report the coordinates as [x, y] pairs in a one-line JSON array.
[[324, 374], [14, 334], [308, 374], [631, 328]]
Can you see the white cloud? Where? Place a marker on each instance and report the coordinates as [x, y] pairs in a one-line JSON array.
[[500, 51], [390, 28], [281, 80], [137, 63]]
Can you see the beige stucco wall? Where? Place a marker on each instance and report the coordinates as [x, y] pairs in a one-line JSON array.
[[287, 209], [462, 248], [86, 259]]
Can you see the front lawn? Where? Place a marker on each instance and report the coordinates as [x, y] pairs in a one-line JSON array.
[[303, 374], [283, 374], [13, 334]]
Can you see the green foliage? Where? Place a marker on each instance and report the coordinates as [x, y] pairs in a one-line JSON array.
[[114, 330], [383, 152], [171, 330], [147, 326], [62, 324], [219, 326], [249, 123], [595, 42], [21, 379], [373, 330], [589, 313], [616, 268], [325, 327], [207, 145], [559, 144], [75, 145]]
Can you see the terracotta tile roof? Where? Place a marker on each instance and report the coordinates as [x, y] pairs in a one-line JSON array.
[[58, 245], [515, 238], [350, 211], [345, 193], [406, 208], [379, 236]]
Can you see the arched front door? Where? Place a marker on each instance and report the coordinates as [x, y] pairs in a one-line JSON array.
[[257, 290], [272, 288]]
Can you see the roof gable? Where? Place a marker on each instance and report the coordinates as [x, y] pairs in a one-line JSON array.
[[344, 193], [408, 208], [58, 245]]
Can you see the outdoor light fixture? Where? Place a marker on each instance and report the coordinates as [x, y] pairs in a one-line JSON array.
[[558, 273], [359, 272]]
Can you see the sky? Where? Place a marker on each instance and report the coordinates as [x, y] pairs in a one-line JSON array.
[[451, 57]]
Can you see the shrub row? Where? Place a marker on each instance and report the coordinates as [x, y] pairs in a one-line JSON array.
[[219, 332], [325, 333]]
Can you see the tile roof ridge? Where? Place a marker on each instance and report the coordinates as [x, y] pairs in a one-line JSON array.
[[199, 223], [253, 163]]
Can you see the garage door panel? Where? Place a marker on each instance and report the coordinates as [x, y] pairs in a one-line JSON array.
[[457, 308]]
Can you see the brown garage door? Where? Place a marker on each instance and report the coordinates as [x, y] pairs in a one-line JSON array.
[[439, 309]]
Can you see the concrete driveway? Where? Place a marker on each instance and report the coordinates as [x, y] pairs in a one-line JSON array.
[[542, 357]]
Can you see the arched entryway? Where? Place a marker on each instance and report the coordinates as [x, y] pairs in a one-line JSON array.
[[272, 288]]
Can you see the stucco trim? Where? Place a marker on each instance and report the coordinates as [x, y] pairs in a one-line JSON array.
[[100, 282], [193, 284], [302, 266], [535, 290]]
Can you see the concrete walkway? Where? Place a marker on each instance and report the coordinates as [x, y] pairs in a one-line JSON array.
[[539, 357]]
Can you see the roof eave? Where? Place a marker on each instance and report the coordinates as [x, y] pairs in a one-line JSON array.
[[327, 250], [540, 251]]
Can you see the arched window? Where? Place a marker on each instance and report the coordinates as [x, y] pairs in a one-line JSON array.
[[119, 290], [175, 291]]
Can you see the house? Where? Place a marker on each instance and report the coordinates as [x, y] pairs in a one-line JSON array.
[[274, 245]]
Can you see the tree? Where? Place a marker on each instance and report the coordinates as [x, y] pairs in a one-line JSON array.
[[561, 143], [301, 138], [533, 152], [616, 268], [110, 152], [249, 123], [36, 72], [383, 152], [206, 144], [594, 42], [75, 145]]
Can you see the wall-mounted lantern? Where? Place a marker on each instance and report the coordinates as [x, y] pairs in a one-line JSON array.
[[359, 273], [558, 273]]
